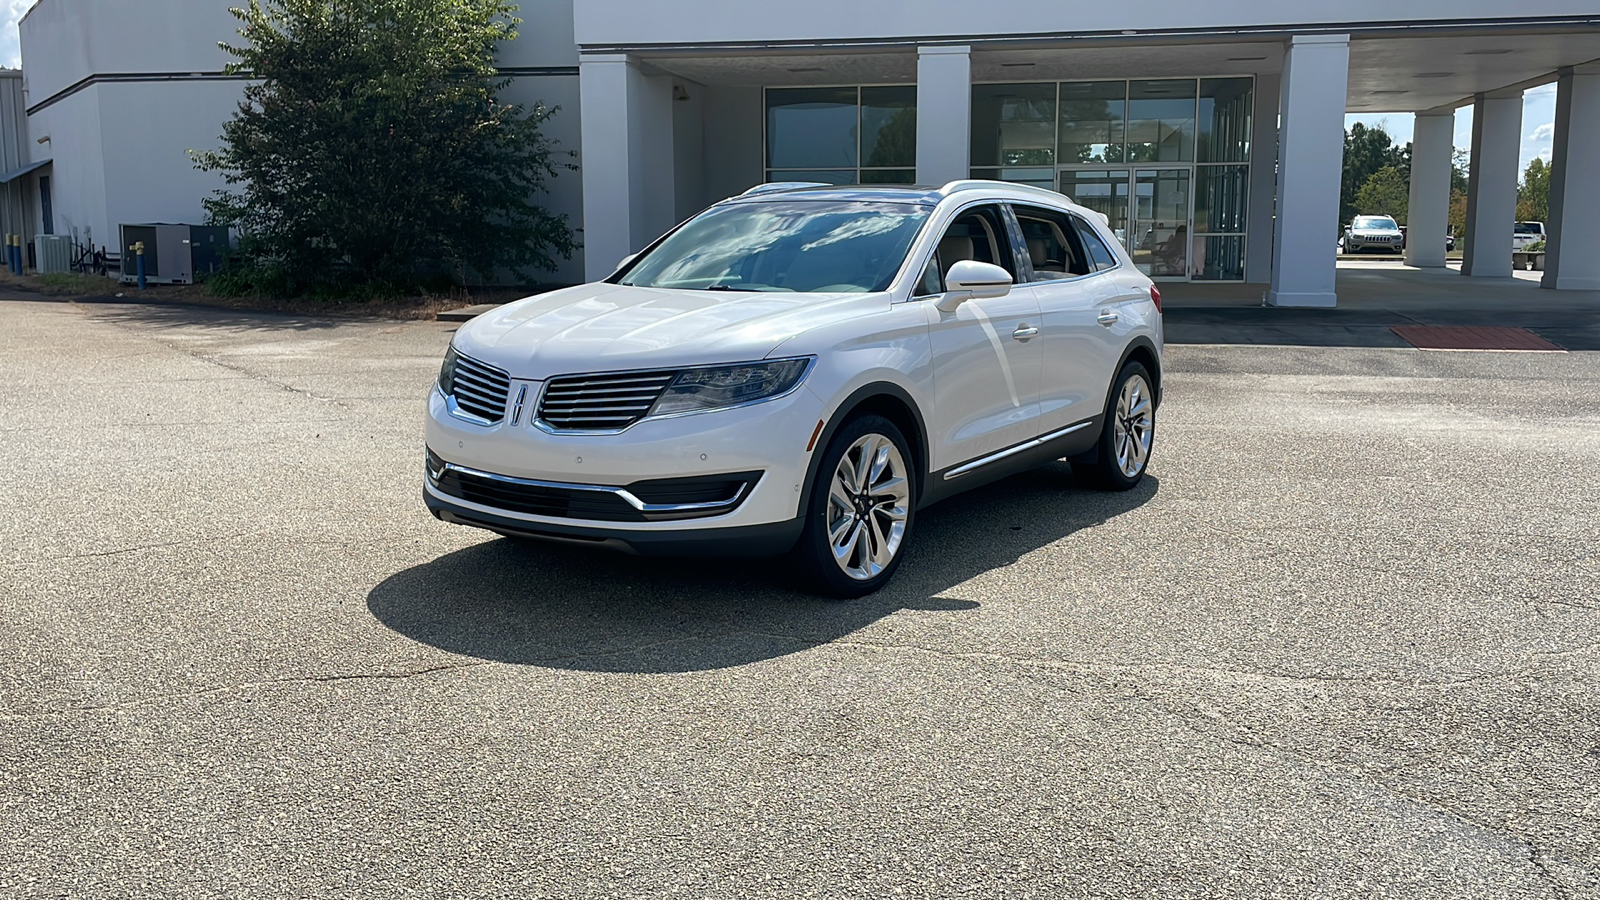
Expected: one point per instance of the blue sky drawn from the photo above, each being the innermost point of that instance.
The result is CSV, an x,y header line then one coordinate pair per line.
x,y
10,13
1538,105
1538,124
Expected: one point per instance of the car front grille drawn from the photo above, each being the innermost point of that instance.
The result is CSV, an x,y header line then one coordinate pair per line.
x,y
601,402
480,390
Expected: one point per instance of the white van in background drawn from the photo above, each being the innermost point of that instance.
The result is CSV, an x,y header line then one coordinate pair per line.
x,y
1525,233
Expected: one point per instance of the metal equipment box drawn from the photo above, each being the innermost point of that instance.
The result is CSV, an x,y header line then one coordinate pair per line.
x,y
173,254
53,253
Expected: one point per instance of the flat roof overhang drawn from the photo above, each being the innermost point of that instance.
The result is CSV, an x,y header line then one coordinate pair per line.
x,y
1391,69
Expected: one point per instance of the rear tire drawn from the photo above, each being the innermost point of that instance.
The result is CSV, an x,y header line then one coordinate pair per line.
x,y
861,510
1127,438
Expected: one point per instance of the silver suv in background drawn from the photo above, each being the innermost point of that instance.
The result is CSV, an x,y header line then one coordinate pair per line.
x,y
1372,233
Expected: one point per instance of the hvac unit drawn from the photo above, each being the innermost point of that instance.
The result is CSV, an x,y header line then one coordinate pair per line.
x,y
173,254
53,253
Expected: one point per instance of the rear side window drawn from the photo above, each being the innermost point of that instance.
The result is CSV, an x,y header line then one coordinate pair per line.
x,y
1053,244
1099,253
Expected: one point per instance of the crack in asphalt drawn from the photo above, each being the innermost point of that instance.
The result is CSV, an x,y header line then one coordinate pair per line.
x,y
247,685
123,551
1112,668
223,364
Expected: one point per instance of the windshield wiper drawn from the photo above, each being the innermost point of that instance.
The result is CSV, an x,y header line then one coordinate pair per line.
x,y
729,287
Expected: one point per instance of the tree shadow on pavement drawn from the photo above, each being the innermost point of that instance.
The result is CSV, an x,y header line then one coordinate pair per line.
x,y
162,314
576,608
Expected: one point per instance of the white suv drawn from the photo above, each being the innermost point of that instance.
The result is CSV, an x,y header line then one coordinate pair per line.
x,y
801,369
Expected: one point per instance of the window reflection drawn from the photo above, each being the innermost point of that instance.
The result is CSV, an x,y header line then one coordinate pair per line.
x,y
811,128
1105,192
1093,121
847,135
1221,196
1013,125
1227,106
1161,120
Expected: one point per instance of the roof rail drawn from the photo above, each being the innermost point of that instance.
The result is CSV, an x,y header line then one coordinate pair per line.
x,y
775,186
969,183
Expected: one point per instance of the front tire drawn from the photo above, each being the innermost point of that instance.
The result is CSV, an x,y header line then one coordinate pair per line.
x,y
861,509
1128,436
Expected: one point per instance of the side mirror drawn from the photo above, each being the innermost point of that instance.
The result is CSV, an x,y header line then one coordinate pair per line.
x,y
625,260
973,280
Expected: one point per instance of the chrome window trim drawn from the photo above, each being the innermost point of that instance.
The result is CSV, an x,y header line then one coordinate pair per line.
x,y
623,493
547,428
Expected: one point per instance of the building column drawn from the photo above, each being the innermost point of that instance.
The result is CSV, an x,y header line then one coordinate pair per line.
x,y
1492,185
1263,179
944,114
1428,212
626,160
1574,265
1316,75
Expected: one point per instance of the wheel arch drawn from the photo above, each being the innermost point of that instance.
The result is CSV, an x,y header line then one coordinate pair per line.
x,y
886,399
1141,350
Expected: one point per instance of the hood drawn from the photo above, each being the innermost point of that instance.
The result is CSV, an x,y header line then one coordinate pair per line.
x,y
1375,232
606,327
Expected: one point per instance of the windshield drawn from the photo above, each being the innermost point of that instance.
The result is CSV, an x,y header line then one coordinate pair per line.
x,y
785,245
1376,223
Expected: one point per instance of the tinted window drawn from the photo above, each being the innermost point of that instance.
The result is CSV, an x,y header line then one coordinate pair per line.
x,y
1099,253
784,245
1053,244
1376,223
977,234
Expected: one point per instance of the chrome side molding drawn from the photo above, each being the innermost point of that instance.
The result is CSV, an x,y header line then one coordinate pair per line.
x,y
977,464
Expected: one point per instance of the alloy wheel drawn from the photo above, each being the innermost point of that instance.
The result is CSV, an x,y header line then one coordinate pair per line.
x,y
868,506
1134,427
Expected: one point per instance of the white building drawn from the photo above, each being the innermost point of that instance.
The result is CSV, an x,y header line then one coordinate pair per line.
x,y
1210,133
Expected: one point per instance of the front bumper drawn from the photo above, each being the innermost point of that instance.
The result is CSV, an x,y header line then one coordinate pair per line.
x,y
1356,242
746,540
515,469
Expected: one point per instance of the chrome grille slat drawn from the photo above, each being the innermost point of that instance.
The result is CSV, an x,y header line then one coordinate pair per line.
x,y
609,401
480,390
603,392
601,402
482,385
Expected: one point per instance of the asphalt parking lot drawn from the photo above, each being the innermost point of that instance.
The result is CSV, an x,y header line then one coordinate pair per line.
x,y
1345,642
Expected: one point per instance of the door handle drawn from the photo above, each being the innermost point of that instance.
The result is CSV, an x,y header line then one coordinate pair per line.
x,y
1108,318
1025,332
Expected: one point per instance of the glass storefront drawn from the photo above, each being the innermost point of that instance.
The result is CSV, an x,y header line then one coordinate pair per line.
x,y
842,135
1166,160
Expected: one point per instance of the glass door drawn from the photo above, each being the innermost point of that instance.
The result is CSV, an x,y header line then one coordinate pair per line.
x,y
1102,190
1161,229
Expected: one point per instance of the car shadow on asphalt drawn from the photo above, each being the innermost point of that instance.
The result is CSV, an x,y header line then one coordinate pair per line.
x,y
577,608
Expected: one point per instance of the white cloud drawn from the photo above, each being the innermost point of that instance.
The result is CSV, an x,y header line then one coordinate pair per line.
x,y
11,12
1544,132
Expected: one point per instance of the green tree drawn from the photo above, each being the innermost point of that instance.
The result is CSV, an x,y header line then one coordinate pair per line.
x,y
1460,166
1366,150
1386,193
1533,195
372,150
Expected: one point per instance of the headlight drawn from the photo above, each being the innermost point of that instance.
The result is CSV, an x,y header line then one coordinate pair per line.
x,y
698,390
447,372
